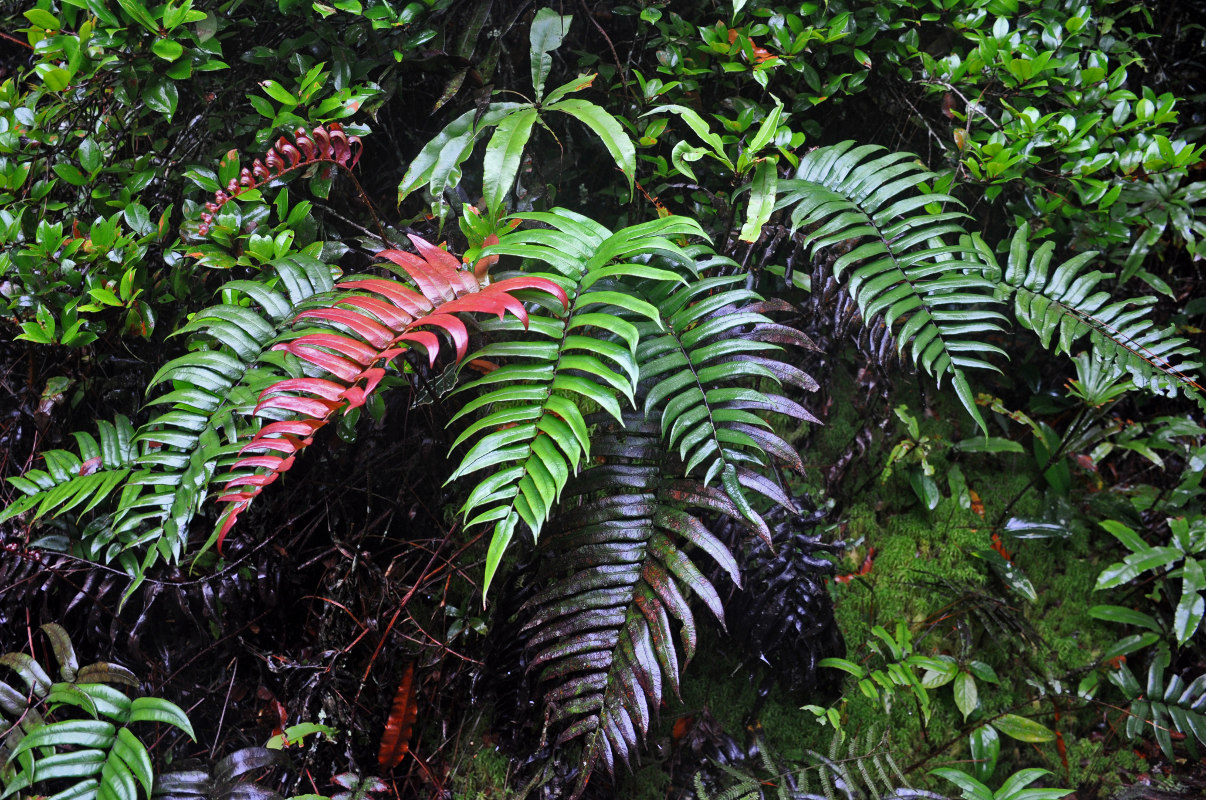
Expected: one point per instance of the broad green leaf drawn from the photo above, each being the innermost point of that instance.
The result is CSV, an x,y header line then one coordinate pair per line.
x,y
70,173
42,19
701,128
167,49
1022,729
278,93
161,95
972,788
138,12
966,694
762,200
449,148
548,30
503,156
609,131
985,750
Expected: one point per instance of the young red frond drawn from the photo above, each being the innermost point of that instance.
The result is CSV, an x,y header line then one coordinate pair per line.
x,y
395,740
445,264
389,314
431,283
329,390
425,339
310,406
371,331
402,296
532,282
456,329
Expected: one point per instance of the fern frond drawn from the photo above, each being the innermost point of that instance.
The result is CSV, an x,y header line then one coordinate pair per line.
x,y
238,776
357,336
1159,707
71,480
329,145
533,436
701,358
104,758
166,466
1063,304
619,578
900,261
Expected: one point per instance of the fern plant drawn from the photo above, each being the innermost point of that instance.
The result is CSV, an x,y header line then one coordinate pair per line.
x,y
92,751
1071,302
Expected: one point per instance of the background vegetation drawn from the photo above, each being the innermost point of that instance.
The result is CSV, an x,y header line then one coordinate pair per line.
x,y
811,398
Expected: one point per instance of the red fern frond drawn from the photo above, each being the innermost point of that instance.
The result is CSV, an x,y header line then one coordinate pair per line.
x,y
367,332
330,145
395,740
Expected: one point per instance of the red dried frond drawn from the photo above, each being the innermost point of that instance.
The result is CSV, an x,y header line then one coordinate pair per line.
x,y
395,741
367,331
330,145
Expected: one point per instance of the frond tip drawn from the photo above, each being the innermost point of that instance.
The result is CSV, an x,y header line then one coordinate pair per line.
x,y
329,145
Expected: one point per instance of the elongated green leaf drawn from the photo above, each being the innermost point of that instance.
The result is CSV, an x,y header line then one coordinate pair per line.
x,y
548,30
1022,729
609,131
762,200
503,156
154,709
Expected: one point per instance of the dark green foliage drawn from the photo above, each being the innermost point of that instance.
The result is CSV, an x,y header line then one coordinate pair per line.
x,y
621,405
93,749
784,604
239,776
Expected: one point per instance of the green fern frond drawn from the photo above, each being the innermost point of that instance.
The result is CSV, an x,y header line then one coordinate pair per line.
x,y
164,469
71,480
533,436
1063,304
701,360
1165,703
900,259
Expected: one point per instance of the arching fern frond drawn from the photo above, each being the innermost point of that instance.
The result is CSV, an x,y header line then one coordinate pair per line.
x,y
900,259
620,574
165,467
702,357
619,555
1068,300
532,436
